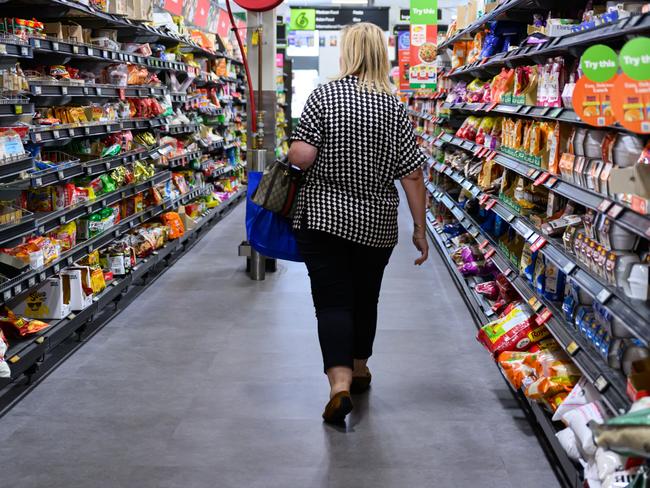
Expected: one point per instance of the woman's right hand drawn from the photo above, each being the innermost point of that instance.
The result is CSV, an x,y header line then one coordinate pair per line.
x,y
421,244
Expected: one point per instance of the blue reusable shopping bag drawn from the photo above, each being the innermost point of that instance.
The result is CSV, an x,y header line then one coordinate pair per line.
x,y
269,234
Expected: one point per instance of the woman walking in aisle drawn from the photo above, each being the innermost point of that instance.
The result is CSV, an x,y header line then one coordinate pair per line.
x,y
354,139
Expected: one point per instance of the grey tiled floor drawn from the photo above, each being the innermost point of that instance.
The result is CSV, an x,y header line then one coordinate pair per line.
x,y
211,380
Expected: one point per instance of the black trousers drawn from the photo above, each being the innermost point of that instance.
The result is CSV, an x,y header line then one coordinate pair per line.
x,y
345,283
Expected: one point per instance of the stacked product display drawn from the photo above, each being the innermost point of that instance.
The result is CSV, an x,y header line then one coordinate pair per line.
x,y
115,155
539,205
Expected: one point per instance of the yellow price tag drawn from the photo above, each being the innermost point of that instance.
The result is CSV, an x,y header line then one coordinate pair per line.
x,y
18,109
14,359
255,39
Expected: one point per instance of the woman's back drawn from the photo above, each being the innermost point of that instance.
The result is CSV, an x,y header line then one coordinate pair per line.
x,y
365,143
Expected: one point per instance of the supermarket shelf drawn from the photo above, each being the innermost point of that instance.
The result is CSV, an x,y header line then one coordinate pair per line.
x,y
623,216
44,223
535,413
214,146
183,160
89,16
98,53
570,43
15,108
27,356
61,133
45,88
633,314
610,383
12,47
98,166
559,114
175,129
219,172
11,168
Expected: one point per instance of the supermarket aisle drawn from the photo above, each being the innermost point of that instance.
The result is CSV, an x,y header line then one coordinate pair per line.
x,y
211,380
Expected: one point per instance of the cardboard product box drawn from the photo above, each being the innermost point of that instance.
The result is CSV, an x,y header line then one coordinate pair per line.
x,y
117,7
489,7
54,29
49,301
81,293
73,33
461,17
108,33
87,35
141,10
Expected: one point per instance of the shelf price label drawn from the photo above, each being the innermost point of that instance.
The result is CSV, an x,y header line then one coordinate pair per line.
x,y
484,198
491,107
615,211
490,204
535,304
543,317
541,179
490,253
538,244
484,244
491,156
573,348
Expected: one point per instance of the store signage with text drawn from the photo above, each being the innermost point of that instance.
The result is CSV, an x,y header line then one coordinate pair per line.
x,y
423,44
603,97
334,19
404,59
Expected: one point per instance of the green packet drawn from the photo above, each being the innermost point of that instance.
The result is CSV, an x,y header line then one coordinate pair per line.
x,y
627,434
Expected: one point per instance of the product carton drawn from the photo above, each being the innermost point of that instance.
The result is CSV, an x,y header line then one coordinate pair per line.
x,y
49,301
634,181
140,10
461,17
54,29
81,292
117,7
74,33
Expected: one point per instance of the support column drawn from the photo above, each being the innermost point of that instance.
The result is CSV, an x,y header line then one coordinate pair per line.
x,y
261,51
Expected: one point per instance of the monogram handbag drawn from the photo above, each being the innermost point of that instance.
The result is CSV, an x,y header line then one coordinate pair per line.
x,y
278,188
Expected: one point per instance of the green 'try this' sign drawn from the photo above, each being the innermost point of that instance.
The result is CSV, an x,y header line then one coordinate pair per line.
x,y
424,12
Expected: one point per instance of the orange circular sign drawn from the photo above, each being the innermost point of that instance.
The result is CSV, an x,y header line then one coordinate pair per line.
x,y
631,103
592,102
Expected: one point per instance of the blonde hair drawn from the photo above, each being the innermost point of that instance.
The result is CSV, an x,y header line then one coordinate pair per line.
x,y
364,54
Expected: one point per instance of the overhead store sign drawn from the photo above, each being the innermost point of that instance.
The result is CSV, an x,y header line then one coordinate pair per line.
x,y
424,41
334,19
303,19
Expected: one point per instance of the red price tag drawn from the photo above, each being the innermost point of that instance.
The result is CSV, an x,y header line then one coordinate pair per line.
x,y
604,205
484,151
122,94
491,107
492,155
484,60
551,182
542,179
483,198
507,272
491,204
543,317
484,244
490,253
538,244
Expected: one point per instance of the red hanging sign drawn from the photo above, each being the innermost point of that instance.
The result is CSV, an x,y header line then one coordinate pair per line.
x,y
258,5
174,7
223,24
201,13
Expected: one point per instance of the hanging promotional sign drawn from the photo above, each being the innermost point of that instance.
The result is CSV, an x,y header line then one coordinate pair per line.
x,y
592,96
631,93
174,7
201,13
302,19
423,44
223,24
404,59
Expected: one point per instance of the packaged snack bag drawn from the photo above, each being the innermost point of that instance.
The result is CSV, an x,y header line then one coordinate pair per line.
x,y
518,373
174,223
12,325
515,331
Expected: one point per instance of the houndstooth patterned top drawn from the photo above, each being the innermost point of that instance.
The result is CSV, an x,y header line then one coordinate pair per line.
x,y
365,142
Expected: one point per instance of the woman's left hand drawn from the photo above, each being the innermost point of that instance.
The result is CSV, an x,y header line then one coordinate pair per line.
x,y
421,244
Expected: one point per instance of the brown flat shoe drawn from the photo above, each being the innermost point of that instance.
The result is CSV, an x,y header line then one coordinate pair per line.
x,y
338,407
360,384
